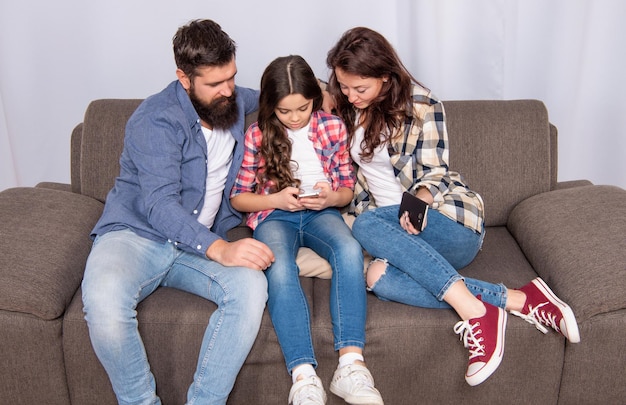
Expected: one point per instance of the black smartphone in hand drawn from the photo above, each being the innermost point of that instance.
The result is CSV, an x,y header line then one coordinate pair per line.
x,y
417,209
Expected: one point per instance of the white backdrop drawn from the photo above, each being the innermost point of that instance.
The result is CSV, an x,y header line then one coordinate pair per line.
x,y
57,56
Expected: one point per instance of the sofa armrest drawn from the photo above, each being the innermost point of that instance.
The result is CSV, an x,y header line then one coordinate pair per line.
x,y
574,239
561,185
54,186
44,240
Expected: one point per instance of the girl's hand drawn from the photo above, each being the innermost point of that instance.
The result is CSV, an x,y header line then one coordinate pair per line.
x,y
287,200
323,200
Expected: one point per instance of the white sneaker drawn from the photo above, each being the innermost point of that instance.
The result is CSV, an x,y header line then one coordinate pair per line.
x,y
308,391
355,384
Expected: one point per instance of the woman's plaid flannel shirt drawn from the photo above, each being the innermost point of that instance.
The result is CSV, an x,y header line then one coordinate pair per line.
x,y
419,155
330,140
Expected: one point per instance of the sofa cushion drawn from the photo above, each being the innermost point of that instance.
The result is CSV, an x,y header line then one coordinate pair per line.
x,y
41,266
101,144
502,149
97,145
417,347
31,360
172,323
574,240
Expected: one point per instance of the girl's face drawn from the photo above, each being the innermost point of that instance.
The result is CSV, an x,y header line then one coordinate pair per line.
x,y
294,111
360,91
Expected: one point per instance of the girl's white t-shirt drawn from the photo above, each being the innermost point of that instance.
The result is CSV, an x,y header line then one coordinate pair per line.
x,y
308,168
220,144
383,185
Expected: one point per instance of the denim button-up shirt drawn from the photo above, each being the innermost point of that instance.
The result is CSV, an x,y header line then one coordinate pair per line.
x,y
160,190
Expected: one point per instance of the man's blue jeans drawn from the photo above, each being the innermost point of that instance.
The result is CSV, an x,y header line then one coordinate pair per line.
x,y
421,268
326,233
123,269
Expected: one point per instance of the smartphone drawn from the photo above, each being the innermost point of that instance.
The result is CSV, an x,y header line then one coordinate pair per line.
x,y
417,209
309,194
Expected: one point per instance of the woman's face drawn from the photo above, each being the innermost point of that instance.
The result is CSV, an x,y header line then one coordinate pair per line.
x,y
294,111
360,91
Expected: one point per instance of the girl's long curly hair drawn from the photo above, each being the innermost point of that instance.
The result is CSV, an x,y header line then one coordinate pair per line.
x,y
363,52
283,76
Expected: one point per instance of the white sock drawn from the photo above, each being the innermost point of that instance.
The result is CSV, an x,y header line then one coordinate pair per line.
x,y
305,370
349,358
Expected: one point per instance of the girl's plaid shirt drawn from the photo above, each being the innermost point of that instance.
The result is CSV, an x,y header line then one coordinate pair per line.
x,y
330,140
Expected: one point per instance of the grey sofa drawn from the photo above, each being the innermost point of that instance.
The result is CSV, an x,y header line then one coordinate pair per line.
x,y
571,234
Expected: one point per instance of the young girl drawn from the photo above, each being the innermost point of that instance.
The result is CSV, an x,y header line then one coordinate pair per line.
x,y
295,172
398,139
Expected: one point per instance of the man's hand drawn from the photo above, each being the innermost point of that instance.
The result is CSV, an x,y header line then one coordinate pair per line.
x,y
246,252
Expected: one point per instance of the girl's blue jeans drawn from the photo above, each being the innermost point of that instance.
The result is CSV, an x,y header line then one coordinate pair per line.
x,y
326,233
123,269
421,268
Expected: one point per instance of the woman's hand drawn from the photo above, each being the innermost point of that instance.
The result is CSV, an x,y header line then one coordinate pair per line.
x,y
406,224
423,194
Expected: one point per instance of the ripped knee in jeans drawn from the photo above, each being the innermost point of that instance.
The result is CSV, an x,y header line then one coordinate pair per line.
x,y
375,271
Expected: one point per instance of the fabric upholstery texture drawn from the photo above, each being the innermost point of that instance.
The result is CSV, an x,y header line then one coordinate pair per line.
x,y
571,234
41,266
592,241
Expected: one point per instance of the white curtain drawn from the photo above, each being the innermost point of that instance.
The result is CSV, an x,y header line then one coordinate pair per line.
x,y
7,168
567,53
55,57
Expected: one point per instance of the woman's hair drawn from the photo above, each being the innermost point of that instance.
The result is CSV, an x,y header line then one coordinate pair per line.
x,y
202,43
283,76
363,52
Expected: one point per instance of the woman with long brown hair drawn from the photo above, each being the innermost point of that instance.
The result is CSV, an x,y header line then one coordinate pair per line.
x,y
399,142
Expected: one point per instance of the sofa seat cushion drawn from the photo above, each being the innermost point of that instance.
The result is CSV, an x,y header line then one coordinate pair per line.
x,y
405,345
574,239
417,346
44,239
171,323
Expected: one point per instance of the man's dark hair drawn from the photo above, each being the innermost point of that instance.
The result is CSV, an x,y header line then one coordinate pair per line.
x,y
202,43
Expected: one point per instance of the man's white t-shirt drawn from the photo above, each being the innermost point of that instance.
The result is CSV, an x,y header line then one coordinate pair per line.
x,y
220,144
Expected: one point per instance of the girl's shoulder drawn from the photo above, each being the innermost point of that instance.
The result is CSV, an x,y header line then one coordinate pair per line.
x,y
253,129
254,134
326,118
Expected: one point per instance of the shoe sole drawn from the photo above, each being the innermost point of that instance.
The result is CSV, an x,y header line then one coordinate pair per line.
x,y
569,329
490,367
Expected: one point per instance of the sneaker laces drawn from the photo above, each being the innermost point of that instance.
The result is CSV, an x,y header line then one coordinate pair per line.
x,y
539,318
470,337
360,378
307,393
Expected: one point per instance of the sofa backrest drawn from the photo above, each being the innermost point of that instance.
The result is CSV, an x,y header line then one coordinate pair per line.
x,y
101,142
503,149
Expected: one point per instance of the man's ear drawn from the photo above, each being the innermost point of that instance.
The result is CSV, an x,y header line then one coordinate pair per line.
x,y
184,80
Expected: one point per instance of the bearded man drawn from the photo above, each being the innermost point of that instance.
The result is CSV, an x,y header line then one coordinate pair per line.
x,y
165,222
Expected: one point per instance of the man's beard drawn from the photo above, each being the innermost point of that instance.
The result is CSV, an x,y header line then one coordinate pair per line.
x,y
221,113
